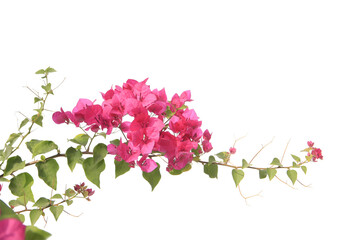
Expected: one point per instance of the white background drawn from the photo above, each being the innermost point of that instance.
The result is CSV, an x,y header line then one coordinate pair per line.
x,y
287,69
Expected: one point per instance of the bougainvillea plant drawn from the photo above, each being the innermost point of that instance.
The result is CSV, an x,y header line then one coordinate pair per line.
x,y
153,127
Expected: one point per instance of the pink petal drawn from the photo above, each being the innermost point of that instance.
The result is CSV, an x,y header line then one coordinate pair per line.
x,y
12,229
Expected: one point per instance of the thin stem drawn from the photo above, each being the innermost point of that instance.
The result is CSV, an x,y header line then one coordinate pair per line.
x,y
261,150
282,158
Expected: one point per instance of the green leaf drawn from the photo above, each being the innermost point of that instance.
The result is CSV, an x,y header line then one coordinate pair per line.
x,y
116,142
262,173
41,71
56,211
245,164
34,215
21,217
237,175
12,138
57,196
294,165
13,164
271,173
81,139
296,158
292,174
69,202
50,70
47,88
304,169
178,172
37,119
36,99
211,168
5,153
223,155
2,179
34,233
37,147
100,152
153,177
16,203
23,123
6,211
47,172
70,192
121,167
276,161
93,170
20,185
43,202
73,156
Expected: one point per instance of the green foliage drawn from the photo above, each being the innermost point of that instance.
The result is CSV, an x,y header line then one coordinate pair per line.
x,y
47,172
178,172
93,170
37,147
37,118
245,164
43,202
211,168
47,88
153,177
292,174
20,186
225,156
12,138
13,164
33,233
276,161
296,158
237,175
271,173
121,167
34,215
100,152
6,211
116,142
70,192
5,153
73,156
294,165
304,169
23,123
56,211
57,196
262,173
81,139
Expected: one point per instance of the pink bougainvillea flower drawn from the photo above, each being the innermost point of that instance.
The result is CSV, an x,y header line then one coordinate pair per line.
x,y
159,105
207,135
178,101
232,150
310,143
147,164
123,152
207,146
90,192
64,117
12,229
1,187
317,154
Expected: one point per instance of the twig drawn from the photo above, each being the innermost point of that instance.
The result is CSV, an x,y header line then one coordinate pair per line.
x,y
284,182
282,158
246,198
264,146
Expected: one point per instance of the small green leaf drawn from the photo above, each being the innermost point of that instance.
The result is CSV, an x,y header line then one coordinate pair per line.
x,y
116,142
93,170
23,123
276,161
13,164
37,119
81,139
271,173
47,88
69,202
211,168
238,175
42,202
292,174
153,177
294,165
73,156
15,203
56,211
37,147
20,185
223,155
41,71
2,179
121,167
262,173
47,172
36,99
33,233
12,138
21,217
70,192
102,134
100,152
50,70
304,169
296,158
34,215
245,164
57,196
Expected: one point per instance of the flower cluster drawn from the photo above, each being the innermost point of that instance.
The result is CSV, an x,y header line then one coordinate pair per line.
x,y
314,153
155,125
86,192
